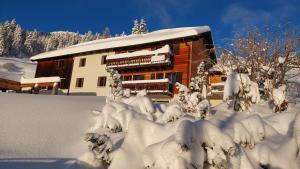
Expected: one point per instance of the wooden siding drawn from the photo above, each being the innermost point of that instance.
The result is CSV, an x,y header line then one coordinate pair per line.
x,y
47,68
9,85
202,51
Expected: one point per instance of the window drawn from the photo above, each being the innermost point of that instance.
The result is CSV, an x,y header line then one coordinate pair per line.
x,y
103,59
223,79
82,62
174,77
138,77
152,76
61,63
177,77
159,76
101,81
169,76
127,78
79,82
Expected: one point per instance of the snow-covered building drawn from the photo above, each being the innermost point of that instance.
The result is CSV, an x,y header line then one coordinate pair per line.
x,y
154,61
18,75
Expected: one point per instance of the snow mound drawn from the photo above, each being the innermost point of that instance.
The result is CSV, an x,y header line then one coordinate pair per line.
x,y
174,139
40,131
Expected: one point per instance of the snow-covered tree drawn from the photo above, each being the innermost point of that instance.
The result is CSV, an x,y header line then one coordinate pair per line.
x,y
135,28
240,90
123,34
17,41
266,54
143,26
200,81
192,100
116,91
3,47
106,33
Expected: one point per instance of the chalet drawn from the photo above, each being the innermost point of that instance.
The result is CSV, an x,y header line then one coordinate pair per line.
x,y
153,61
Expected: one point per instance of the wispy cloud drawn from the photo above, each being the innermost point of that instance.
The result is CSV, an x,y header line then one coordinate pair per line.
x,y
165,11
240,16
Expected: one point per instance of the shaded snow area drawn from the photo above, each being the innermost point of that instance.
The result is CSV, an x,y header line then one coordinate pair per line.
x,y
14,68
44,132
136,133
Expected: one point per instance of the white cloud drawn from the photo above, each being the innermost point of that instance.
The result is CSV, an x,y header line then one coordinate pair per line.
x,y
239,16
165,11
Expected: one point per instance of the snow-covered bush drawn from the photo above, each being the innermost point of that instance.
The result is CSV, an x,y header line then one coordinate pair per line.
x,y
241,90
279,99
100,145
192,103
192,100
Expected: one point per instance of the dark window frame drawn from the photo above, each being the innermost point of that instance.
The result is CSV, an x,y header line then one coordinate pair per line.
x,y
82,62
103,59
79,82
101,82
139,77
159,75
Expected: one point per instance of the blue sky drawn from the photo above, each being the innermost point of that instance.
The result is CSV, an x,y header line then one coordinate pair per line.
x,y
223,16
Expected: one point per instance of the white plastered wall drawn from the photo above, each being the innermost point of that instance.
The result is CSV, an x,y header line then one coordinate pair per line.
x,y
90,72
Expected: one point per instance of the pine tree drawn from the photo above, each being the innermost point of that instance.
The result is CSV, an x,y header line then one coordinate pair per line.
x,y
31,42
88,36
135,29
143,26
17,41
123,34
106,33
2,42
97,36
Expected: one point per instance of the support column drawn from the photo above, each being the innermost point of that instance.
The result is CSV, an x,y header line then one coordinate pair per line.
x,y
55,89
36,89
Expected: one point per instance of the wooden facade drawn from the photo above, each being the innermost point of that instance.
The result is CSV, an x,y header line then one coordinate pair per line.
x,y
187,55
61,67
9,85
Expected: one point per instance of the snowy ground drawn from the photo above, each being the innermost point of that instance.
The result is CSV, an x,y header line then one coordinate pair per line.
x,y
39,132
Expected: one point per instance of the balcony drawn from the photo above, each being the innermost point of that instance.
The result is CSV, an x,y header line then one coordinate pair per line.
x,y
138,59
154,87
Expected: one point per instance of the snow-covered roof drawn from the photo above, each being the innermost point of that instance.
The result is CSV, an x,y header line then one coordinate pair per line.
x,y
102,44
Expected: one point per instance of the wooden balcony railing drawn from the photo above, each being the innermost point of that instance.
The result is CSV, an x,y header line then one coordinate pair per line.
x,y
159,86
141,58
140,61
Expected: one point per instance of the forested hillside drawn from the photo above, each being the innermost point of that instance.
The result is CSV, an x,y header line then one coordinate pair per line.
x,y
18,42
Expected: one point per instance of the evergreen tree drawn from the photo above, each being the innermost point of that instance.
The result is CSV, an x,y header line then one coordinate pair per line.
x,y
135,29
97,36
143,26
123,34
106,33
2,42
17,41
88,36
30,42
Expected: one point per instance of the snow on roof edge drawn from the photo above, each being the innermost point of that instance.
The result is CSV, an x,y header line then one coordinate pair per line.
x,y
102,44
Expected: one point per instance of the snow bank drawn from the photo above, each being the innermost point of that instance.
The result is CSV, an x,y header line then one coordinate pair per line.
x,y
257,138
38,131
